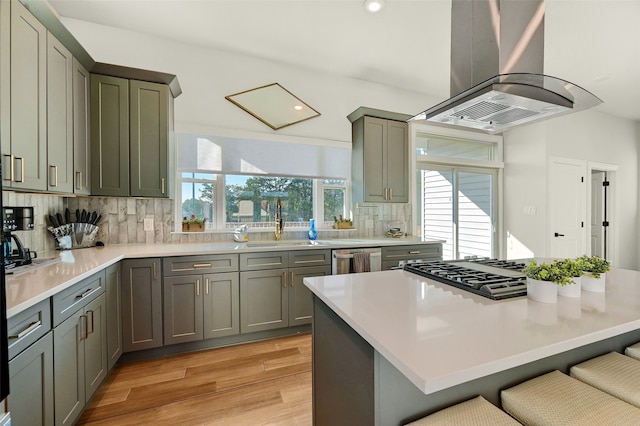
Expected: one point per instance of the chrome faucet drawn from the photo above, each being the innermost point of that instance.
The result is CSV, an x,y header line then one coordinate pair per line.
x,y
279,221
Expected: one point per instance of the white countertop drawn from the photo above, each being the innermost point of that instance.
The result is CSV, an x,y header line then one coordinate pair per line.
x,y
439,336
28,288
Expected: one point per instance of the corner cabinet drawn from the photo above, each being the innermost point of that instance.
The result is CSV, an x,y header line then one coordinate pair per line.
x,y
380,160
130,125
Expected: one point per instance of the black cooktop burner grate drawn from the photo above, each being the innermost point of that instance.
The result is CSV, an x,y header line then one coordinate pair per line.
x,y
491,278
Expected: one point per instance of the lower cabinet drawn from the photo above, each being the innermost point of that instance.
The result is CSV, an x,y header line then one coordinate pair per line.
x,y
200,307
114,314
141,304
300,297
31,383
80,359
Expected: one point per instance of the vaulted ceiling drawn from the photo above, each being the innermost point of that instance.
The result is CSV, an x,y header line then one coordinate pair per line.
x,y
592,43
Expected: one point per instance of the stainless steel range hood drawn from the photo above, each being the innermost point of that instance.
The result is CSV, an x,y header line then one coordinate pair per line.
x,y
497,61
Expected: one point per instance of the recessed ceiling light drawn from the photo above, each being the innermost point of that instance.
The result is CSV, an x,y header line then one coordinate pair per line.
x,y
373,5
297,107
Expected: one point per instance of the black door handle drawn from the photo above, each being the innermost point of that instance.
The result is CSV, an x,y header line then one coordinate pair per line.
x,y
558,235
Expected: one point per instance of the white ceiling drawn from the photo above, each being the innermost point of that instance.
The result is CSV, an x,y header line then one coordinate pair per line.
x,y
592,43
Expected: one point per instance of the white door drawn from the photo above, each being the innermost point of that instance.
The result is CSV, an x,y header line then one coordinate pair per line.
x,y
567,209
597,213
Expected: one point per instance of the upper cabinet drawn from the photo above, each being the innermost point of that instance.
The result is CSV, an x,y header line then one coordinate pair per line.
x,y
81,136
24,149
130,125
380,157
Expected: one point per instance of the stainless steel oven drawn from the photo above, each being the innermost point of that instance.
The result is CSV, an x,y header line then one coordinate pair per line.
x,y
342,260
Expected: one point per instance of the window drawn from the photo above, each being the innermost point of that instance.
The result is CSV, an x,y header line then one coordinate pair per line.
x,y
457,198
334,199
198,195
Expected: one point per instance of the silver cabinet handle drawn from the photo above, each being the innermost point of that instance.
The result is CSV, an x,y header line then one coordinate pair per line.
x,y
55,174
21,169
78,180
197,287
386,191
162,180
155,271
10,179
86,327
27,330
206,286
291,279
391,193
202,265
80,296
415,252
284,279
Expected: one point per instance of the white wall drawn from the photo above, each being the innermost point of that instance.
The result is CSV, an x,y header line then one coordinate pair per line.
x,y
207,76
587,135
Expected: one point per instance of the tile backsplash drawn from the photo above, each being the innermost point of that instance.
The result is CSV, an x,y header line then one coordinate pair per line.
x,y
123,220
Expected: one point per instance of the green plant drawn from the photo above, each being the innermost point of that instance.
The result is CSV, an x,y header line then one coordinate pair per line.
x,y
573,267
594,265
339,219
193,219
554,271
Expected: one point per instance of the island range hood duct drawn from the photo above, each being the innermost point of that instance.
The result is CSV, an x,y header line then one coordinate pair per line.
x,y
497,61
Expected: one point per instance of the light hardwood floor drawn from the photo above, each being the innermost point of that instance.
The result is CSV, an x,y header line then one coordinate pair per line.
x,y
262,383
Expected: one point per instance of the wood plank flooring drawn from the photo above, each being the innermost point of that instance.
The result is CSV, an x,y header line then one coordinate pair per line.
x,y
262,383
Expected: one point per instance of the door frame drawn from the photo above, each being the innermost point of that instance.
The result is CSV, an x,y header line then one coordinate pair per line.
x,y
612,208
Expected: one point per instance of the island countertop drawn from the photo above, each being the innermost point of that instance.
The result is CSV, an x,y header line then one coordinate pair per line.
x,y
439,336
68,267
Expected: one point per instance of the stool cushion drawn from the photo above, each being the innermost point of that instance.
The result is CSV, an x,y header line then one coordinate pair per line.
x,y
633,351
613,373
557,399
475,412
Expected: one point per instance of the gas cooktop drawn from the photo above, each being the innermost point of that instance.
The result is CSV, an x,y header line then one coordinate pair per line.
x,y
491,278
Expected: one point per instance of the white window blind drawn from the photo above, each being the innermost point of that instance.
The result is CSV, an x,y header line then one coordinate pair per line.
x,y
228,155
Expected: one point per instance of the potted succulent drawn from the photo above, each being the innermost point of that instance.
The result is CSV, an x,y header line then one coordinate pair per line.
x,y
594,269
543,279
340,223
574,270
193,224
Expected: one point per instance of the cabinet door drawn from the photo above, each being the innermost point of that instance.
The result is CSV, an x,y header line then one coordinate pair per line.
x,y
375,173
95,345
68,368
221,304
31,383
264,300
141,304
114,314
300,297
109,136
149,138
59,117
28,156
397,164
183,309
81,138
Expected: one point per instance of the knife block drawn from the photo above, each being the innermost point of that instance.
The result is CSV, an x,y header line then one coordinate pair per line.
x,y
74,235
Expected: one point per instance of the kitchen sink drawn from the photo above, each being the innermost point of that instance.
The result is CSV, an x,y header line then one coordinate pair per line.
x,y
284,243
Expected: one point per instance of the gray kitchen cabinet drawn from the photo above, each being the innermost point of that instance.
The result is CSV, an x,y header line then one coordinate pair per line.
x,y
264,300
392,256
109,136
149,127
31,366
24,151
141,304
130,124
31,401
80,359
59,117
113,291
81,131
300,297
201,297
380,160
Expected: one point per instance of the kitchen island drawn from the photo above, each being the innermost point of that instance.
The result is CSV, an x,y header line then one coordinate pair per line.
x,y
390,347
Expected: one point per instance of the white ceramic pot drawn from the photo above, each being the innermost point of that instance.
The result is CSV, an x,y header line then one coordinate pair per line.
x,y
542,291
595,285
571,290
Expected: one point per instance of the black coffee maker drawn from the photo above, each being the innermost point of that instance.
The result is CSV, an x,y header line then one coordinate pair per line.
x,y
16,219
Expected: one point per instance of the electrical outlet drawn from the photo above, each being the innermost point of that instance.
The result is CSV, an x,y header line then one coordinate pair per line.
x,y
148,224
368,223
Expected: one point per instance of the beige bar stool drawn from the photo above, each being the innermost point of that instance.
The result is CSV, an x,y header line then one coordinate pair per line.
x,y
633,351
474,412
613,373
557,399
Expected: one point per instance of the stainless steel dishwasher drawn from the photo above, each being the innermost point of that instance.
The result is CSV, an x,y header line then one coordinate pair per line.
x,y
342,260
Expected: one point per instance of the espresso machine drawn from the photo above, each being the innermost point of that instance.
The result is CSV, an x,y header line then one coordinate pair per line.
x,y
16,219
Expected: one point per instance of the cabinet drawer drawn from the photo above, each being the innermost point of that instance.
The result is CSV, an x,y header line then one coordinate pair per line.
x,y
266,260
28,326
422,251
204,264
75,297
309,258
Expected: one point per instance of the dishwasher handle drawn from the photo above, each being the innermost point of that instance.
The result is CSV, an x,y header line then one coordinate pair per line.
x,y
350,255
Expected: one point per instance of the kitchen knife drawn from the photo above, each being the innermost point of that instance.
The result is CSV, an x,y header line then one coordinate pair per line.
x,y
53,221
95,222
67,215
77,215
60,219
94,216
84,215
